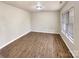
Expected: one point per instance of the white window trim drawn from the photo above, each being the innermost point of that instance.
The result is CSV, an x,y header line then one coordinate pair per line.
x,y
67,34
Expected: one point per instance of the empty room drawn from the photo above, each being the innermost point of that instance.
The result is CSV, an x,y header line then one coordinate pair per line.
x,y
39,29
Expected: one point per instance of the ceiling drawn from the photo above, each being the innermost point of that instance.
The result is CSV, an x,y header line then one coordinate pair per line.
x,y
30,5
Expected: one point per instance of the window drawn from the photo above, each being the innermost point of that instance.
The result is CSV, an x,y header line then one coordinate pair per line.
x,y
67,23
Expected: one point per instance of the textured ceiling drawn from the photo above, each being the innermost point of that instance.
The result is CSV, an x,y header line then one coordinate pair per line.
x,y
30,5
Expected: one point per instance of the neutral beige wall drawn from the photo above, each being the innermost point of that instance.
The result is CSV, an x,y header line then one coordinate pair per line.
x,y
13,23
73,47
47,22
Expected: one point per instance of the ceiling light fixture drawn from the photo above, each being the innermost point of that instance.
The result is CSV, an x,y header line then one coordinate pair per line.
x,y
39,6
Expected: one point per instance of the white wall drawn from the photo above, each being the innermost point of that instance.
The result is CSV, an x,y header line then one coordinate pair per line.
x,y
47,22
13,23
73,47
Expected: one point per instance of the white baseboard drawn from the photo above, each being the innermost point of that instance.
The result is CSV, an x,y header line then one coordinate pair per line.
x,y
15,39
68,46
46,32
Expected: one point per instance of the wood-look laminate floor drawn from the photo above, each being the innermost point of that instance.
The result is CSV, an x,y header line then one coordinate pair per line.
x,y
37,45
